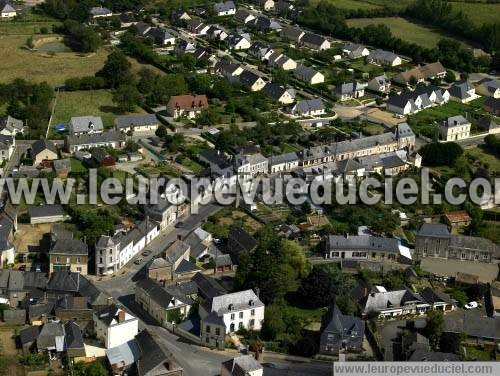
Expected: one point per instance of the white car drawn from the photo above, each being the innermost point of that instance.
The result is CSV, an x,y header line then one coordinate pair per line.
x,y
471,305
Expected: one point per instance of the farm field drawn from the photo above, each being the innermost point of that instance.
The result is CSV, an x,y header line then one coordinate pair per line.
x,y
403,29
365,4
80,103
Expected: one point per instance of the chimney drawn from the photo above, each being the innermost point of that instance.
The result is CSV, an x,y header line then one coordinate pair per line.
x,y
121,316
365,292
179,236
44,318
109,301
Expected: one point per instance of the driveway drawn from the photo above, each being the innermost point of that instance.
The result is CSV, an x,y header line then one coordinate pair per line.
x,y
390,338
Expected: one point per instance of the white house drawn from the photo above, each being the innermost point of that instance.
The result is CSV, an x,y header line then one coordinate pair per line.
x,y
355,51
488,87
455,128
7,146
251,164
266,5
114,326
308,75
283,162
315,42
308,107
7,10
462,91
385,58
281,61
251,81
238,42
350,90
138,123
225,8
10,126
80,125
100,12
279,93
241,309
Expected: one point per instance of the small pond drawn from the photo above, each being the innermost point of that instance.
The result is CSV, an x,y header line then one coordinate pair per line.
x,y
54,47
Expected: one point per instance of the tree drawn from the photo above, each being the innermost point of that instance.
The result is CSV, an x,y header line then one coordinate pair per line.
x,y
460,296
450,76
29,42
273,322
90,369
346,305
440,154
317,289
434,328
292,253
116,70
127,97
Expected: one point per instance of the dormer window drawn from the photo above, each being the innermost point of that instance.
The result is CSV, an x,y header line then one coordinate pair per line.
x,y
230,307
251,303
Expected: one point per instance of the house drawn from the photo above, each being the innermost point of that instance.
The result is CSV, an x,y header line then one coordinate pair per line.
x,y
123,357
438,300
355,51
7,146
189,106
314,41
486,124
266,24
478,329
492,105
292,33
114,326
43,150
184,46
100,12
197,27
283,162
230,71
226,8
340,332
109,139
201,243
62,167
308,107
244,16
179,15
250,164
454,128
75,348
380,84
154,358
101,158
10,126
489,87
260,51
165,304
462,91
421,73
161,36
415,348
349,90
281,61
242,365
238,42
367,247
113,252
81,125
68,254
142,28
127,20
137,124
435,240
266,5
239,241
251,81
51,338
417,100
384,58
223,263
382,303
162,212
7,10
279,94
217,33
308,75
241,309
77,309
46,214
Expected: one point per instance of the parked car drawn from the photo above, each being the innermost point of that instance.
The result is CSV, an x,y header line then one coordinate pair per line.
x,y
138,261
179,225
471,305
147,252
22,268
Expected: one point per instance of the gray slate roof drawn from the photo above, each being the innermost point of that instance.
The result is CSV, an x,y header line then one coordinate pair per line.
x,y
242,365
376,243
86,139
42,144
42,211
79,124
434,230
235,302
69,247
126,121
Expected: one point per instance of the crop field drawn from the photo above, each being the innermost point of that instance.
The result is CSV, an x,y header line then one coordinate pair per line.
x,y
403,29
365,4
479,13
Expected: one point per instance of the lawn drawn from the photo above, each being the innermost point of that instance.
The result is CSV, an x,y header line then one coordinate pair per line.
x,y
351,4
80,103
77,166
403,29
479,156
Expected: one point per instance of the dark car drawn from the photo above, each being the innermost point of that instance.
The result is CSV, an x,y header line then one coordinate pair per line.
x,y
138,261
146,253
179,225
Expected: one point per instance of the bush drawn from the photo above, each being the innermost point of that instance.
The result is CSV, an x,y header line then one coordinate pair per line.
x,y
441,154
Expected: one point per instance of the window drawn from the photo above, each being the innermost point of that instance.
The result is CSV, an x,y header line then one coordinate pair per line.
x,y
110,251
217,331
241,315
207,340
58,259
232,316
252,312
240,325
252,323
100,260
79,260
208,329
79,270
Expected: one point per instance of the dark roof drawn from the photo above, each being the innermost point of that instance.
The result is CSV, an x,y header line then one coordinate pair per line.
x,y
37,310
476,326
108,314
248,78
75,283
135,120
345,325
313,39
435,296
41,211
208,287
493,103
242,365
29,334
244,240
427,355
41,145
216,157
163,295
214,318
186,267
434,230
69,247
153,355
73,334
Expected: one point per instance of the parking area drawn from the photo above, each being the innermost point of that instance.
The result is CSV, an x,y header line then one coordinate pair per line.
x,y
486,272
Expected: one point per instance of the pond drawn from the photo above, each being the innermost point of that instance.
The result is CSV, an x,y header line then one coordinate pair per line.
x,y
54,47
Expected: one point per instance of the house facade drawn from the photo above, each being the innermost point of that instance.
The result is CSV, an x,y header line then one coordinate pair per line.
x,y
113,326
140,123
454,128
187,105
340,332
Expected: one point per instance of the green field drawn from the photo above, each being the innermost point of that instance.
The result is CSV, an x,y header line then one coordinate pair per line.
x,y
479,13
365,4
80,103
403,29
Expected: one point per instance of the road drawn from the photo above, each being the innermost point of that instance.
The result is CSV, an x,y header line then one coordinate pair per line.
x,y
195,360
